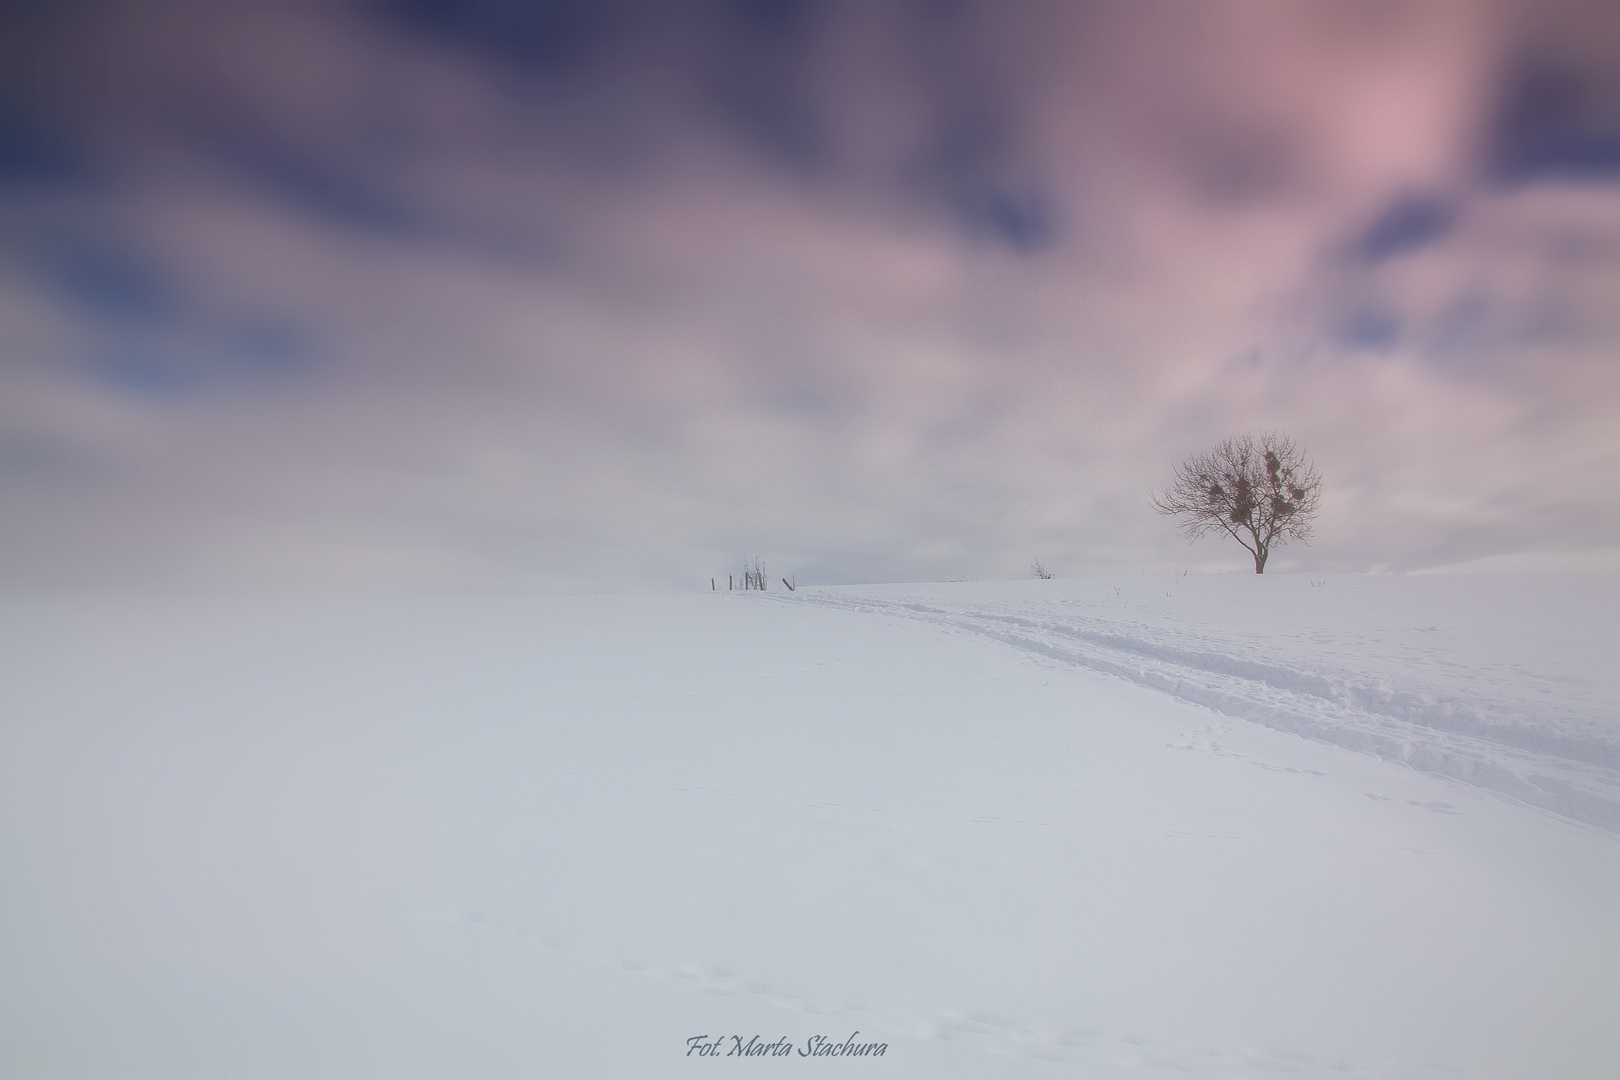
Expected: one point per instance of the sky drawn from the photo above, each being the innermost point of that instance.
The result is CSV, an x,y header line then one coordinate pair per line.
x,y
410,295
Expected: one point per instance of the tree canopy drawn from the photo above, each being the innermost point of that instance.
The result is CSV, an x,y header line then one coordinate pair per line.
x,y
1260,492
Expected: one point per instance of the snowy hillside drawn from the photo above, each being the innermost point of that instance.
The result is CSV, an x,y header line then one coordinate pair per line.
x,y
1509,684
1147,827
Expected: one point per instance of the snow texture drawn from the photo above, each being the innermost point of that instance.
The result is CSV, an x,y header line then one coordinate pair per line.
x,y
1149,827
1521,714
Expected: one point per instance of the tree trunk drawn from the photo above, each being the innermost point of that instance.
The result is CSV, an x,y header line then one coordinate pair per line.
x,y
1260,561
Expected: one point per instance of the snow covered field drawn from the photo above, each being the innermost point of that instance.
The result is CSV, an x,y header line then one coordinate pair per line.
x,y
1009,829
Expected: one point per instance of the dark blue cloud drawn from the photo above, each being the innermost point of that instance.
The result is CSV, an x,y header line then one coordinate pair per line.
x,y
1019,219
321,185
754,68
745,59
146,373
267,345
33,152
972,138
777,17
775,119
241,352
155,344
105,278
971,152
1369,330
1554,121
1409,223
554,37
539,36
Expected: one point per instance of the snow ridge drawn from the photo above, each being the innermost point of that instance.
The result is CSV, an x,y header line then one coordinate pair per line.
x,y
1545,754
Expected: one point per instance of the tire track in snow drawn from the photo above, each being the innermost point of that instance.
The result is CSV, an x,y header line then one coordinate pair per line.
x,y
1536,754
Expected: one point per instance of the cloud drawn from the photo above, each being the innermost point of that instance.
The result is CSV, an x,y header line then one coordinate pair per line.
x,y
103,277
1370,329
32,153
565,295
307,180
1411,222
1555,121
543,37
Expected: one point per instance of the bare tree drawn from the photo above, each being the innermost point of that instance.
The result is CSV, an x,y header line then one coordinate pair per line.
x,y
1038,570
1259,492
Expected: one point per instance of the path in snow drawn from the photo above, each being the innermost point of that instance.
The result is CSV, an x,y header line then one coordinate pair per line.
x,y
1524,718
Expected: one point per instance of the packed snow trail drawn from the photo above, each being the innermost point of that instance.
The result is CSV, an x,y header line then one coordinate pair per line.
x,y
1448,715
